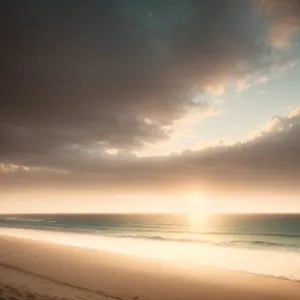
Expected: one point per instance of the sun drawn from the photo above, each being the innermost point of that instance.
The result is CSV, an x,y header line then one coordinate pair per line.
x,y
198,203
197,219
195,198
198,210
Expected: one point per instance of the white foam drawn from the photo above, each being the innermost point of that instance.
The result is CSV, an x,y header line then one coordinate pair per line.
x,y
267,262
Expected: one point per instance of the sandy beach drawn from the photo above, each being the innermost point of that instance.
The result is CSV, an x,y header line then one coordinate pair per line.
x,y
39,270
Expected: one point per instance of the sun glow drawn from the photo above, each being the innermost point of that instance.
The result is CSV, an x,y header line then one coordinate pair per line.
x,y
198,204
198,210
197,219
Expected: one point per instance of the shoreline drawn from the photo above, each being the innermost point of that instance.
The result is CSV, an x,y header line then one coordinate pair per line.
x,y
263,262
125,276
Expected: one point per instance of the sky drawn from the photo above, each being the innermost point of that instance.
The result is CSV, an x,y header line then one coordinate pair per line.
x,y
150,106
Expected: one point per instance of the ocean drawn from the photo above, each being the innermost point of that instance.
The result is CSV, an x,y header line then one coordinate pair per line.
x,y
267,244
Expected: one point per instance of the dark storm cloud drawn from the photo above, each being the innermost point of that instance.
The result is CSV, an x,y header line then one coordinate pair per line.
x,y
221,39
79,72
83,72
269,162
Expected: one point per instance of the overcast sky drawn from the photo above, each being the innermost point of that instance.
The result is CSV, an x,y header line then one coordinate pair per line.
x,y
147,105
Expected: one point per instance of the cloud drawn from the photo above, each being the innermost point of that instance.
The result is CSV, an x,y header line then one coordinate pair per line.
x,y
284,20
263,79
268,162
80,73
85,77
278,124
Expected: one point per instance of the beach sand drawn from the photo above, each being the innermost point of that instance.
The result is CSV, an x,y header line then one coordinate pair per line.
x,y
38,270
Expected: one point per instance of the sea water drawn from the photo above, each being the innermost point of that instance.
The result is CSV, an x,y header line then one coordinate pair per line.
x,y
267,244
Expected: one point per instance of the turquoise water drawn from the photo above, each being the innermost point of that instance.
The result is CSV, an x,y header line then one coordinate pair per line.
x,y
263,244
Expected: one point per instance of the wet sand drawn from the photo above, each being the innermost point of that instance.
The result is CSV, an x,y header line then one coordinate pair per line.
x,y
39,270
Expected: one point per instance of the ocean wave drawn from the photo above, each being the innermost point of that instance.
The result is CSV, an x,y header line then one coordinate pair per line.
x,y
147,228
21,219
263,240
130,232
201,241
238,233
